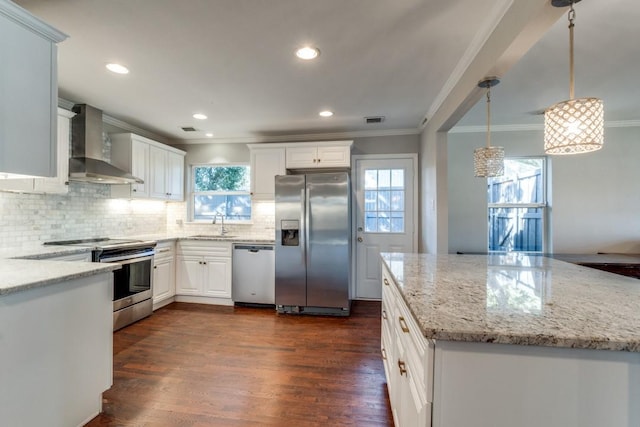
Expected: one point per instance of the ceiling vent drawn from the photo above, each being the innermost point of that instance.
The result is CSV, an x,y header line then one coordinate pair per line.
x,y
374,119
189,129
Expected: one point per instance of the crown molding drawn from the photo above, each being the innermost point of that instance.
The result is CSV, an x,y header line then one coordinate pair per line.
x,y
26,19
479,40
126,127
298,138
535,127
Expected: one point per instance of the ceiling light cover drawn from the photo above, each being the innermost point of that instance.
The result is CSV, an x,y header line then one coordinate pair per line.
x,y
574,126
117,68
307,53
577,125
488,161
200,116
208,135
326,113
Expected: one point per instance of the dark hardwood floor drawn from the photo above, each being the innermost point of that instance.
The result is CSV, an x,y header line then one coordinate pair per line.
x,y
198,365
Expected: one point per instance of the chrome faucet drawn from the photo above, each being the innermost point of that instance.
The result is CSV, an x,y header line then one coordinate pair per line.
x,y
223,231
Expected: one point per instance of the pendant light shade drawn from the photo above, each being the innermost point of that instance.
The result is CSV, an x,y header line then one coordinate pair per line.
x,y
576,125
488,161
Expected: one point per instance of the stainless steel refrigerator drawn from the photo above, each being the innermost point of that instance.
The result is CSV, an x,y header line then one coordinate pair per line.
x,y
313,235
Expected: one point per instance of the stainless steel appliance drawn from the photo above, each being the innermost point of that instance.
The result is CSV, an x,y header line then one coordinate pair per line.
x,y
253,274
313,254
133,282
86,162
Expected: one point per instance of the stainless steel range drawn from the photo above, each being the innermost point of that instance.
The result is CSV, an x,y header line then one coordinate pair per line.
x,y
133,283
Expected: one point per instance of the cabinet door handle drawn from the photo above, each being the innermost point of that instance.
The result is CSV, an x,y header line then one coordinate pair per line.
x,y
386,282
384,315
403,367
134,190
384,354
403,324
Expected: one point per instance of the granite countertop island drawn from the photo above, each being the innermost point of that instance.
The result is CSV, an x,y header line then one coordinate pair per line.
x,y
517,299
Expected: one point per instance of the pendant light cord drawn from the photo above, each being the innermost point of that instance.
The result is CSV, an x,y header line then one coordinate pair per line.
x,y
571,16
489,116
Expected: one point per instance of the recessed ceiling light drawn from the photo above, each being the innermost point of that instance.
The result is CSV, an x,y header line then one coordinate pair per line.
x,y
199,116
117,68
326,113
307,52
208,135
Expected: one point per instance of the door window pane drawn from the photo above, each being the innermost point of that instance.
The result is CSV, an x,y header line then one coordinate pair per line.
x,y
384,200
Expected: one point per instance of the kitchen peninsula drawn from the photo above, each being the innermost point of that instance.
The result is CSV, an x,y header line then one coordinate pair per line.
x,y
509,340
55,340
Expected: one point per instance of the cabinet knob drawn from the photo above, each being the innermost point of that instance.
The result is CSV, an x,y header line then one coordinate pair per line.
x,y
402,366
155,267
403,324
318,160
384,314
386,282
314,160
384,354
134,190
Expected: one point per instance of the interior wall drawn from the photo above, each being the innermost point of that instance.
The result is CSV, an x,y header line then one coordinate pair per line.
x,y
594,201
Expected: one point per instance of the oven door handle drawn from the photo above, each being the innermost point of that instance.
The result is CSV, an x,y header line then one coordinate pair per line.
x,y
129,258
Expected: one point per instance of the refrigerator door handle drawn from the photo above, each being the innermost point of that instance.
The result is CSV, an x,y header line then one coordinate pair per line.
x,y
304,231
307,224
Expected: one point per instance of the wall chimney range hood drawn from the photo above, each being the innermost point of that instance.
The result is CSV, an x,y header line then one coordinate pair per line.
x,y
86,162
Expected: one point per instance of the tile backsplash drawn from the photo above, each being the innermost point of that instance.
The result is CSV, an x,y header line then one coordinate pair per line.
x,y
88,211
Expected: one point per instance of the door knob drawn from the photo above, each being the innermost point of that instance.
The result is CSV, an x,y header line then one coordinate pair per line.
x,y
360,239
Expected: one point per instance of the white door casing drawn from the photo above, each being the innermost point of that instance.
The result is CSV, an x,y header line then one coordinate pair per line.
x,y
384,215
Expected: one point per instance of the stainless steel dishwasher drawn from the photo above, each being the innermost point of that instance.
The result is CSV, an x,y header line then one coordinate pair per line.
x,y
253,274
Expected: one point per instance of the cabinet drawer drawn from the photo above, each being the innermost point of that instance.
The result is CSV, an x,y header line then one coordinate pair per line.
x,y
165,250
204,248
417,350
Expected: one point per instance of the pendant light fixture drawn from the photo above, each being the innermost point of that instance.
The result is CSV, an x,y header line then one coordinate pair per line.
x,y
488,161
576,125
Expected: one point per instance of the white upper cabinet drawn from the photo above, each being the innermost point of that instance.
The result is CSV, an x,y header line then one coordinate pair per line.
x,y
167,173
314,155
266,163
29,93
56,184
160,166
59,183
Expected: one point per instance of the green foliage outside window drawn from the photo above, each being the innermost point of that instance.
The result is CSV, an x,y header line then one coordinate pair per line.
x,y
221,178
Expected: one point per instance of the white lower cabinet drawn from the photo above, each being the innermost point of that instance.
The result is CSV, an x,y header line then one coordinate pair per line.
x,y
164,274
203,272
408,361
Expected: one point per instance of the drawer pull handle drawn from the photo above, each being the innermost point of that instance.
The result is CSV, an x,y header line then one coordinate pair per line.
x,y
403,324
384,354
386,282
403,367
384,315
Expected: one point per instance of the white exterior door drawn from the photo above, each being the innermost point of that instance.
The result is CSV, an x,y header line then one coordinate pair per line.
x,y
385,215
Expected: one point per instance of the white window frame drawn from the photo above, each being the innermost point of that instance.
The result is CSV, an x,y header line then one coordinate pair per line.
x,y
193,193
544,206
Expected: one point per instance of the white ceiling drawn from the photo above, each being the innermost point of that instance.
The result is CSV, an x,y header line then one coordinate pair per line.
x,y
234,61
607,65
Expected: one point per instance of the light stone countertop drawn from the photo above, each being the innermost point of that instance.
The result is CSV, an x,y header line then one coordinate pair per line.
x,y
517,299
26,267
17,275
